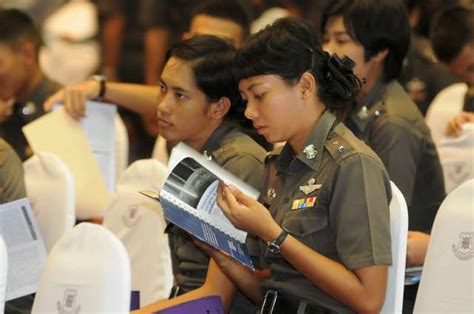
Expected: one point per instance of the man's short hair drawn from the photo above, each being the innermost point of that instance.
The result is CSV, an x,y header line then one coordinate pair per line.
x,y
224,9
16,27
376,25
452,29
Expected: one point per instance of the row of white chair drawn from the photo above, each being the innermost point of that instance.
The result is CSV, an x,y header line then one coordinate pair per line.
x,y
139,224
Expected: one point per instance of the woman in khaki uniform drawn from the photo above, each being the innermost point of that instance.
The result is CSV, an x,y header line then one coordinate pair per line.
x,y
321,226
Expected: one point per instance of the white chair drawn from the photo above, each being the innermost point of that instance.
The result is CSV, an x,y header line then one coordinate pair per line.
x,y
71,53
138,222
444,107
396,272
121,146
87,271
457,157
3,272
50,189
447,280
160,150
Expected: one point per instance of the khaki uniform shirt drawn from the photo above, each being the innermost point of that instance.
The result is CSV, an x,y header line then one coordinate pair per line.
x,y
12,185
333,197
238,154
390,123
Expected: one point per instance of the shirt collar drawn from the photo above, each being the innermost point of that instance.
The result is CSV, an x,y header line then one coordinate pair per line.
x,y
312,152
215,140
360,116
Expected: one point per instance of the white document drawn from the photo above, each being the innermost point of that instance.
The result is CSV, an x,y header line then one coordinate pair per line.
x,y
58,133
99,127
26,251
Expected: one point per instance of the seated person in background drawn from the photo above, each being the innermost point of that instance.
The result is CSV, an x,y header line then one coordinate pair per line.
x,y
376,35
423,76
21,79
222,18
197,96
12,184
452,35
294,94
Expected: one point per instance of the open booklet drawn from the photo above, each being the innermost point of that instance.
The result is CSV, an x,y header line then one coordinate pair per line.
x,y
188,198
26,251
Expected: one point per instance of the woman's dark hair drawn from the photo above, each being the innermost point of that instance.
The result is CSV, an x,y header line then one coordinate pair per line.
x,y
211,60
288,48
376,25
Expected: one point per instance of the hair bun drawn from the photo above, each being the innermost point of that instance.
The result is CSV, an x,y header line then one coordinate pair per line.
x,y
340,73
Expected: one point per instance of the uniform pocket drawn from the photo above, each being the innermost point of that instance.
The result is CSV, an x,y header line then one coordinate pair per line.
x,y
304,222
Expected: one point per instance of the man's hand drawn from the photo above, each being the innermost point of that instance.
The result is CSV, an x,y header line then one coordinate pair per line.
x,y
416,248
74,98
454,126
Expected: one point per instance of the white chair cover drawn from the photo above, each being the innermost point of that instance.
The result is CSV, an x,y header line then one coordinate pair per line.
x,y
138,222
87,271
71,54
50,189
160,151
447,280
396,272
444,107
121,146
3,272
457,157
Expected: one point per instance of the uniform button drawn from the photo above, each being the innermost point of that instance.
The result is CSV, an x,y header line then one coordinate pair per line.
x,y
341,149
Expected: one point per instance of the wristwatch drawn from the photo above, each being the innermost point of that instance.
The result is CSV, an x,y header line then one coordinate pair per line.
x,y
274,246
101,80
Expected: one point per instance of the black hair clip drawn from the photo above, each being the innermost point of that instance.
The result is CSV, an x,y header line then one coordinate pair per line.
x,y
345,63
340,70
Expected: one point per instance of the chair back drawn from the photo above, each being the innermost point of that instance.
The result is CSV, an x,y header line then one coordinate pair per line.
x,y
396,271
447,280
87,271
457,157
444,107
50,189
3,272
121,146
138,222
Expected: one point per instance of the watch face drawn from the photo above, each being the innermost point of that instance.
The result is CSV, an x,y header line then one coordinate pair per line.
x,y
273,248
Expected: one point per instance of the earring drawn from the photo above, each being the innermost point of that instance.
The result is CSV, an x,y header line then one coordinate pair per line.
x,y
364,80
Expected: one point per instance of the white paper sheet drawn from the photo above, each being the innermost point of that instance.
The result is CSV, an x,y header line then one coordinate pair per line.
x,y
99,127
58,133
26,251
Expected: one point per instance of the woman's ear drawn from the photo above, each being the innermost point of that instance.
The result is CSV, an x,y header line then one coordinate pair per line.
x,y
219,108
380,56
307,85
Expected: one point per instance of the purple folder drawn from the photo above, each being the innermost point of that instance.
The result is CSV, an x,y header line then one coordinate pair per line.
x,y
206,305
